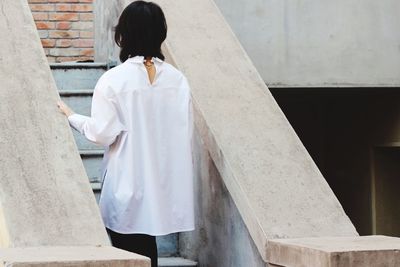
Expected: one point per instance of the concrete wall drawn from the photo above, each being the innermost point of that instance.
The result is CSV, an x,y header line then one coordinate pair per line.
x,y
302,43
265,171
319,43
272,180
106,18
221,238
45,196
65,28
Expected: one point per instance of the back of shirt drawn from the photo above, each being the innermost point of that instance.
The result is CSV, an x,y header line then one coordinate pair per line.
x,y
147,129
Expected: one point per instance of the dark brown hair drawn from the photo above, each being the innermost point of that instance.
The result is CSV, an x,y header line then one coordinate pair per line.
x,y
141,30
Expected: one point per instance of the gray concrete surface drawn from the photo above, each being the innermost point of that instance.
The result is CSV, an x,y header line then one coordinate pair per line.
x,y
272,180
319,43
106,18
254,179
365,251
78,76
221,238
303,43
102,256
175,262
45,196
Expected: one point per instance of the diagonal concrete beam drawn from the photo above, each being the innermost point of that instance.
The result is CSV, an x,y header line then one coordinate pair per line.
x,y
360,251
71,256
272,179
45,196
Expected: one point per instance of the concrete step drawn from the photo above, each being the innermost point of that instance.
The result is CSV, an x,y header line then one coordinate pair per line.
x,y
76,92
81,104
96,187
76,76
83,143
80,101
92,163
175,262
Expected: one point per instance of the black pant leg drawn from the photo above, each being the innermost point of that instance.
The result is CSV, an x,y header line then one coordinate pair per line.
x,y
142,244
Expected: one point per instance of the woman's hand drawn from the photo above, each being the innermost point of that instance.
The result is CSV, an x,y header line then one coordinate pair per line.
x,y
64,108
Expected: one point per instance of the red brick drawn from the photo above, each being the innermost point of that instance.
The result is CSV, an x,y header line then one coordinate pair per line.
x,y
86,34
48,42
63,59
44,25
83,43
86,16
41,7
38,1
64,16
64,25
82,8
51,59
87,52
40,16
63,7
64,34
64,43
64,1
74,7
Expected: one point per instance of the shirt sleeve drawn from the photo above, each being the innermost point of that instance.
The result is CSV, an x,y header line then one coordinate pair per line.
x,y
104,125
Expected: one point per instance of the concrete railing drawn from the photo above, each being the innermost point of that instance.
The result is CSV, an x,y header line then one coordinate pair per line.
x,y
248,154
273,181
45,195
48,213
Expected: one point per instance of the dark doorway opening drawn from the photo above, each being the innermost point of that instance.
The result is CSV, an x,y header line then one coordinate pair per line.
x,y
386,191
342,128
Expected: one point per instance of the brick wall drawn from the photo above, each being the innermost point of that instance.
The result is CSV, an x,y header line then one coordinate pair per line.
x,y
65,28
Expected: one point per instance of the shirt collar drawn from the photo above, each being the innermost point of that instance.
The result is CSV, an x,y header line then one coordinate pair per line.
x,y
140,59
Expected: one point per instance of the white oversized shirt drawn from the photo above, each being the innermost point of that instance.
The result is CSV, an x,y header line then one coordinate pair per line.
x,y
146,130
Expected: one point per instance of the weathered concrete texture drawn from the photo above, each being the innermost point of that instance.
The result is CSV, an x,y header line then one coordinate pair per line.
x,y
74,77
365,251
106,18
71,257
274,183
175,262
220,238
45,196
319,43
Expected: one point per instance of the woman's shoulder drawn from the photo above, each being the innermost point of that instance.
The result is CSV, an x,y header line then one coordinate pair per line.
x,y
175,74
118,72
110,80
116,77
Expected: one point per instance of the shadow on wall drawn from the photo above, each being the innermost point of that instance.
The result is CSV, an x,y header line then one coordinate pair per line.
x,y
221,238
353,134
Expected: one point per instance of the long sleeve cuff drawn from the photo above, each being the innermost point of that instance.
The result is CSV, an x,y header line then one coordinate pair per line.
x,y
77,121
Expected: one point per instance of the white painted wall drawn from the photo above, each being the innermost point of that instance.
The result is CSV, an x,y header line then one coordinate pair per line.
x,y
319,43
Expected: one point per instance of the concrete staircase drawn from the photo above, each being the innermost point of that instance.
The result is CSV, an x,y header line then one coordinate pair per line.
x,y
75,82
